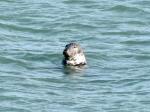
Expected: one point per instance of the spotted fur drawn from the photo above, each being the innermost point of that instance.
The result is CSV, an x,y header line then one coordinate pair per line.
x,y
73,55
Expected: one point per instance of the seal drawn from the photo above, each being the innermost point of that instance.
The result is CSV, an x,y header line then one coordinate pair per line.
x,y
74,55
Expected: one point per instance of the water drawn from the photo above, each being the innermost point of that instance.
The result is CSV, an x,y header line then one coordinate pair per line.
x,y
115,36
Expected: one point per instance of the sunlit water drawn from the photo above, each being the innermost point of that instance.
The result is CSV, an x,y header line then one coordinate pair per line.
x,y
115,35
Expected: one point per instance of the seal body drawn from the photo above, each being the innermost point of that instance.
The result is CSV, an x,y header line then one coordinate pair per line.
x,y
73,55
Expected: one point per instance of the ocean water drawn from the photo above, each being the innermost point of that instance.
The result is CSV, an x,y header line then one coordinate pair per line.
x,y
115,35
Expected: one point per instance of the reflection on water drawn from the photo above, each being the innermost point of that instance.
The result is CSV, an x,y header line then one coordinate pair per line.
x,y
74,70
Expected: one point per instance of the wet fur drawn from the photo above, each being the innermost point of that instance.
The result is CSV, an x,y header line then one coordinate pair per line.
x,y
73,55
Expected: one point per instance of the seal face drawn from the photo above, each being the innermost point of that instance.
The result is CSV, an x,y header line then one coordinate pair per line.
x,y
73,55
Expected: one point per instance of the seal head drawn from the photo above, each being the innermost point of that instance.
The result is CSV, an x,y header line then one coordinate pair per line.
x,y
73,55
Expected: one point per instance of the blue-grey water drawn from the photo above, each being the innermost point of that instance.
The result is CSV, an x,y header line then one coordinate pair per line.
x,y
115,35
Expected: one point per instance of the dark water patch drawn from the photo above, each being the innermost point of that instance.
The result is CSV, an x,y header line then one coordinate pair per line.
x,y
18,63
143,3
13,78
40,101
7,1
123,8
48,58
27,85
142,93
124,67
137,42
136,22
58,21
8,98
142,57
80,26
5,17
7,38
24,29
127,33
85,4
9,60
124,93
50,80
130,82
64,32
97,56
100,81
4,90
94,6
147,102
38,56
128,56
79,2
53,93
13,109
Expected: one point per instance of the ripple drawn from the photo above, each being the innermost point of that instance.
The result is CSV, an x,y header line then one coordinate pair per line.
x,y
7,1
122,8
134,22
143,2
49,80
11,60
81,26
21,28
80,2
137,42
13,109
37,56
126,33
8,98
142,57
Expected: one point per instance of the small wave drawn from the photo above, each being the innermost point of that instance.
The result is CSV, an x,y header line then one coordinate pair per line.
x,y
81,26
41,57
142,2
142,57
6,60
10,108
12,61
79,2
131,83
136,42
101,81
47,80
8,1
136,22
12,77
122,8
23,28
126,33
26,85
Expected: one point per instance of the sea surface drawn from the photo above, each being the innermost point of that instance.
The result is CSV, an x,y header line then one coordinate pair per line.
x,y
115,36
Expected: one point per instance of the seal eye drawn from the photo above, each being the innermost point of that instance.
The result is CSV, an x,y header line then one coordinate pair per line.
x,y
74,47
66,46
